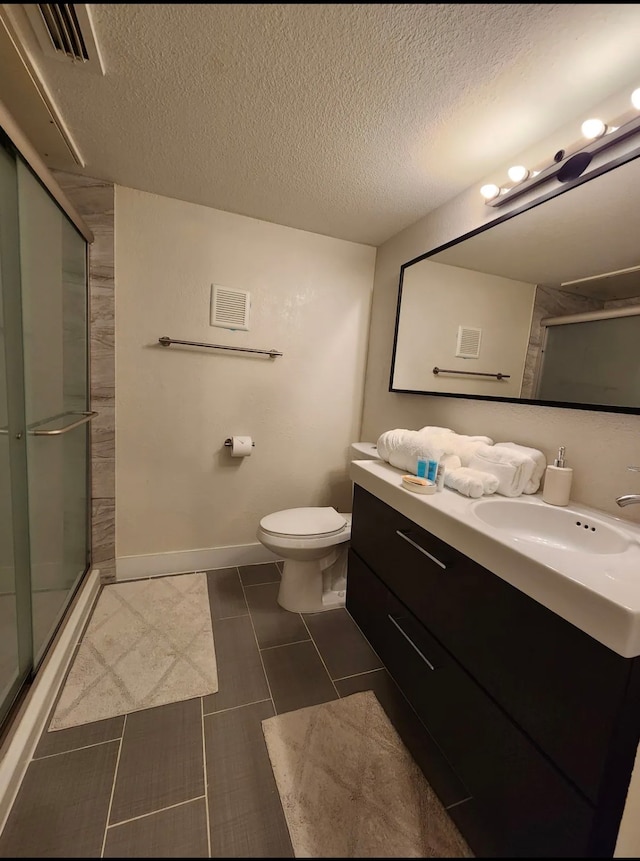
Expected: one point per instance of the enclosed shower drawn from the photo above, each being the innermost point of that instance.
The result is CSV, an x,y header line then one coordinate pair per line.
x,y
45,546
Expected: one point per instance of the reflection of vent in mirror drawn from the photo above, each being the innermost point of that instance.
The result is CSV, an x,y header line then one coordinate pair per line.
x,y
230,308
468,346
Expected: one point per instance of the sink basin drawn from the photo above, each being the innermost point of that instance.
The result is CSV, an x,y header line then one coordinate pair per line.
x,y
546,525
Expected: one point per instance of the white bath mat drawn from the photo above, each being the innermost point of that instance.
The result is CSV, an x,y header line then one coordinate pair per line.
x,y
350,788
148,643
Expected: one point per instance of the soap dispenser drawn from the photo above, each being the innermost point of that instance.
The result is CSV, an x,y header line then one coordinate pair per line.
x,y
557,481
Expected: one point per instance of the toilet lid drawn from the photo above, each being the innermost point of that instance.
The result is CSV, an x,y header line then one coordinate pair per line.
x,y
304,521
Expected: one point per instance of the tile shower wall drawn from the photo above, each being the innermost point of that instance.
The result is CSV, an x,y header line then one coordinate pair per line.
x,y
94,200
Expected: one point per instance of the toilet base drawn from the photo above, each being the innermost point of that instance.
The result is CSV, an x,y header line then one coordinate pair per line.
x,y
308,587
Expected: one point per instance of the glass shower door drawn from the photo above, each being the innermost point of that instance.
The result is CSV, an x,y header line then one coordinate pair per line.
x,y
15,597
54,311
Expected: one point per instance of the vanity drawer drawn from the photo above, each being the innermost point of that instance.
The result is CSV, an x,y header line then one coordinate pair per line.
x,y
419,568
549,676
521,805
367,602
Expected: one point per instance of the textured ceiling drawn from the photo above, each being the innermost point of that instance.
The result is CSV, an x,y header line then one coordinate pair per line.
x,y
343,119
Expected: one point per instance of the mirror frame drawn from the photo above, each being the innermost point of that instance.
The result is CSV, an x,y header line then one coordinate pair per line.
x,y
517,210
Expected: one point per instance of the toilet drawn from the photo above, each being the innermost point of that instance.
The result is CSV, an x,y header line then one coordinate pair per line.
x,y
313,542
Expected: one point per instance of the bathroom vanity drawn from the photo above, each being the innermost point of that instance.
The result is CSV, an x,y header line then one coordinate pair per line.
x,y
522,667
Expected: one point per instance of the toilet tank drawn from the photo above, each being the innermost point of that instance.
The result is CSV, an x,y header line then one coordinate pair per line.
x,y
364,451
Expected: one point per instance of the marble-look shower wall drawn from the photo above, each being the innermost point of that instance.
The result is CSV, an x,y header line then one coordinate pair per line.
x,y
94,200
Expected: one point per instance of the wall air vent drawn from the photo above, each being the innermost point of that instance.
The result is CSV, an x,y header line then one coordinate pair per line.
x,y
230,308
65,31
468,346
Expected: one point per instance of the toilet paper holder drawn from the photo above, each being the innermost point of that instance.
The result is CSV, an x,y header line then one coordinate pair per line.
x,y
229,442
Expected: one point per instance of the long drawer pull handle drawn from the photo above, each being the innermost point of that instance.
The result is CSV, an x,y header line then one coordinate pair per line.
x,y
410,641
421,549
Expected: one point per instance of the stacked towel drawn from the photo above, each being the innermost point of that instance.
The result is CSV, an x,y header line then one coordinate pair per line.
x,y
454,443
514,469
539,464
402,448
470,482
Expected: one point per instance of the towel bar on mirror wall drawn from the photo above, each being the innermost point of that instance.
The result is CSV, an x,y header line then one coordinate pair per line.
x,y
498,376
166,342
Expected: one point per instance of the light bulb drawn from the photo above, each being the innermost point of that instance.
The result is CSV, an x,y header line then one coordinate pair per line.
x,y
593,128
490,191
518,173
635,99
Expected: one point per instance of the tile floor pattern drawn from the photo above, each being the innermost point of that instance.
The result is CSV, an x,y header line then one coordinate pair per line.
x,y
193,778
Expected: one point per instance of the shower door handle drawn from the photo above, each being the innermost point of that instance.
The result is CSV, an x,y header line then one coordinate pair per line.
x,y
84,418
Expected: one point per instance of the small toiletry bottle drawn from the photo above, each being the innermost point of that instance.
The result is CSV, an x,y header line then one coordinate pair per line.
x,y
432,470
421,467
440,476
557,481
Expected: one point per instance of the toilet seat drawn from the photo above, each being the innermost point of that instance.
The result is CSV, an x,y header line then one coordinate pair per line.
x,y
304,523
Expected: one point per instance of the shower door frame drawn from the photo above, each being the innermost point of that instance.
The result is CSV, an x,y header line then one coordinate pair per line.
x,y
21,149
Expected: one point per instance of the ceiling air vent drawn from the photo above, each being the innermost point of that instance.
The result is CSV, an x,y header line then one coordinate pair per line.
x,y
230,308
65,31
468,346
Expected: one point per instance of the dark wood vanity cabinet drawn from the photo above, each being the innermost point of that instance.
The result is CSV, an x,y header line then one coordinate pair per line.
x,y
538,722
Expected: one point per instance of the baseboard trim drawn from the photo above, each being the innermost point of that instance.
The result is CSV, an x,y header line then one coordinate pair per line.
x,y
184,561
31,719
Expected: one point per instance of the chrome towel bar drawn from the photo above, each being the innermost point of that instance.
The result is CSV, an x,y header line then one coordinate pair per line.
x,y
166,342
84,418
472,373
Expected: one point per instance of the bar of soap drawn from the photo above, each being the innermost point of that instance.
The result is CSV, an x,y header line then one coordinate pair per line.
x,y
418,485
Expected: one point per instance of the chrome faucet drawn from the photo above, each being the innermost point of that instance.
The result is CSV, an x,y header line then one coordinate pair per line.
x,y
630,498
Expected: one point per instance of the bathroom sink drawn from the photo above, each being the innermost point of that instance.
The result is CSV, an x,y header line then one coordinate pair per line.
x,y
554,527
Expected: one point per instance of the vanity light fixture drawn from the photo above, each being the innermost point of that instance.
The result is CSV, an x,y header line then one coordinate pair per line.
x,y
592,129
490,191
518,173
570,163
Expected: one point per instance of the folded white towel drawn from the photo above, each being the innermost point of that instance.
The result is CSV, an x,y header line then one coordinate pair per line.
x,y
470,482
450,462
454,443
539,461
402,448
431,430
513,469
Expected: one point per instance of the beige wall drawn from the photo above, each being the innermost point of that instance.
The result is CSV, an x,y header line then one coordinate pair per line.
x,y
436,300
599,445
177,487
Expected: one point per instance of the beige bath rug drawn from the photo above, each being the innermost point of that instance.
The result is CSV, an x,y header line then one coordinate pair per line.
x,y
148,643
350,788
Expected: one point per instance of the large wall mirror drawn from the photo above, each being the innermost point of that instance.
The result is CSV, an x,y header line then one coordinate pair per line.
x,y
541,306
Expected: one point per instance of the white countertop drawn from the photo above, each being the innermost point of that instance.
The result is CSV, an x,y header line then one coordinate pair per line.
x,y
598,593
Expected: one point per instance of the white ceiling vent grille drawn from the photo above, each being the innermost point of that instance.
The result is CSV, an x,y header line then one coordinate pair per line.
x,y
230,308
468,346
65,31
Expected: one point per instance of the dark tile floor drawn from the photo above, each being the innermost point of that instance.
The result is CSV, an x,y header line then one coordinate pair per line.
x,y
193,778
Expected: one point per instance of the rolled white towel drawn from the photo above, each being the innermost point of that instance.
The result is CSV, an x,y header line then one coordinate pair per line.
x,y
512,468
402,448
450,461
431,430
539,461
389,441
470,482
466,447
454,443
